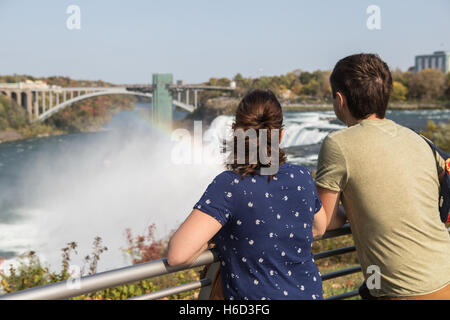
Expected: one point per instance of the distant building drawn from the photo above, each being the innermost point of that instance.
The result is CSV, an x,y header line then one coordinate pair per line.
x,y
438,60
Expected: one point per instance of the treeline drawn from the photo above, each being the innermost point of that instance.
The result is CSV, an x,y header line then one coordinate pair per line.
x,y
428,85
295,86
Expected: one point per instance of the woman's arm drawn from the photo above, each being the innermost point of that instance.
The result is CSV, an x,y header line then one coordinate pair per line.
x,y
191,238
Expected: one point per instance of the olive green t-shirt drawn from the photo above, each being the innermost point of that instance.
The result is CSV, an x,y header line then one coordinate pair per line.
x,y
388,179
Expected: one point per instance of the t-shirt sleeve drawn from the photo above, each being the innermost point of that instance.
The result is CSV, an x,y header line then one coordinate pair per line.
x,y
332,170
217,200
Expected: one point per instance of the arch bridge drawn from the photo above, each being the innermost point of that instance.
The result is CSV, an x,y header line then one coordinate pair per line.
x,y
42,101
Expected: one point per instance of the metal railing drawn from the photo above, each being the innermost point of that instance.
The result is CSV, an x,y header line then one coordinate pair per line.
x,y
144,271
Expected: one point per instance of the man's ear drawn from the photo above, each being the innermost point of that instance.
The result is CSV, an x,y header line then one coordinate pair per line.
x,y
281,134
342,101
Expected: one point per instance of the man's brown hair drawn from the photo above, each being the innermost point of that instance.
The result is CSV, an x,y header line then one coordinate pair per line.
x,y
366,83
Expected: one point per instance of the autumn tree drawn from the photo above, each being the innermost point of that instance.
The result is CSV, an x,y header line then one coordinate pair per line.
x,y
447,86
402,77
427,84
399,92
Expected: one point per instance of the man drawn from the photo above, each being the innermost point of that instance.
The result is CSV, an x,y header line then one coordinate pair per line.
x,y
386,177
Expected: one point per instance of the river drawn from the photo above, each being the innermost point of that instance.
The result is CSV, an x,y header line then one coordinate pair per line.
x,y
74,187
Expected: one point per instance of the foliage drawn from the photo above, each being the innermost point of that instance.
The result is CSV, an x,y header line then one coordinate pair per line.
x,y
89,114
94,257
145,248
299,85
429,85
439,134
399,92
85,115
29,273
141,248
11,116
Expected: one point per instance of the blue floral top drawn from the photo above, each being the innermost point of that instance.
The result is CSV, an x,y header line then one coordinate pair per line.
x,y
266,237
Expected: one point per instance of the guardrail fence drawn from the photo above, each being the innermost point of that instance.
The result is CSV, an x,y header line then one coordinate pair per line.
x,y
143,271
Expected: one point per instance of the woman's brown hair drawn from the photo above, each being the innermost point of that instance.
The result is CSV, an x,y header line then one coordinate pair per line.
x,y
259,109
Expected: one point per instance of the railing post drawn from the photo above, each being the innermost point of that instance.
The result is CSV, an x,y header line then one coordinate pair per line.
x,y
205,292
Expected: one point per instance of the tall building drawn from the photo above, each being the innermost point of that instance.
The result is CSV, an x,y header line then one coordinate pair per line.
x,y
438,60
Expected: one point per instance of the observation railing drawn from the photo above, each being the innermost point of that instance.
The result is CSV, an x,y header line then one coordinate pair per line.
x,y
155,268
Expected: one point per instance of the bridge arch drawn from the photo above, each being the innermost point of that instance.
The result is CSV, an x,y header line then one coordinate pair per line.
x,y
47,114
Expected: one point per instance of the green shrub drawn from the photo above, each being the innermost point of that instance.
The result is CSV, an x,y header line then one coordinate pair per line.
x,y
439,134
11,114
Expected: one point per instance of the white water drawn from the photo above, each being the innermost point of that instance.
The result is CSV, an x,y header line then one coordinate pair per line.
x,y
97,192
300,128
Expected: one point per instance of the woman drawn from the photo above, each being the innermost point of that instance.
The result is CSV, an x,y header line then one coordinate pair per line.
x,y
263,226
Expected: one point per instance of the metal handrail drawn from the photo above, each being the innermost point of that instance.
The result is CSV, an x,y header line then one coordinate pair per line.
x,y
108,279
174,290
134,273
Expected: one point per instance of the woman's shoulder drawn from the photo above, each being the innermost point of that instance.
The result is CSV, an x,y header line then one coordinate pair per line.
x,y
294,168
226,176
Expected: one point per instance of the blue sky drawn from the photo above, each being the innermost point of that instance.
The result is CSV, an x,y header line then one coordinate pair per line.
x,y
127,41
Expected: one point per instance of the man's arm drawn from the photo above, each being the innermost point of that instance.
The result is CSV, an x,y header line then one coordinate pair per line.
x,y
336,216
320,223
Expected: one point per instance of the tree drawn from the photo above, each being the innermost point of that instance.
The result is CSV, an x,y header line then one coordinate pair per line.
x,y
447,86
322,78
224,82
311,88
427,84
402,77
297,88
305,77
399,92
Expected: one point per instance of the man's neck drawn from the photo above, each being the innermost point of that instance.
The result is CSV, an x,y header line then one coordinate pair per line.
x,y
352,121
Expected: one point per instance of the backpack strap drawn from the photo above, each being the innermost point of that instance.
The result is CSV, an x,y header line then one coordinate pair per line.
x,y
443,154
444,184
435,149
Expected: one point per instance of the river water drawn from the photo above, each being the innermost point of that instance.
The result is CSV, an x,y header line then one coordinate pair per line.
x,y
74,187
